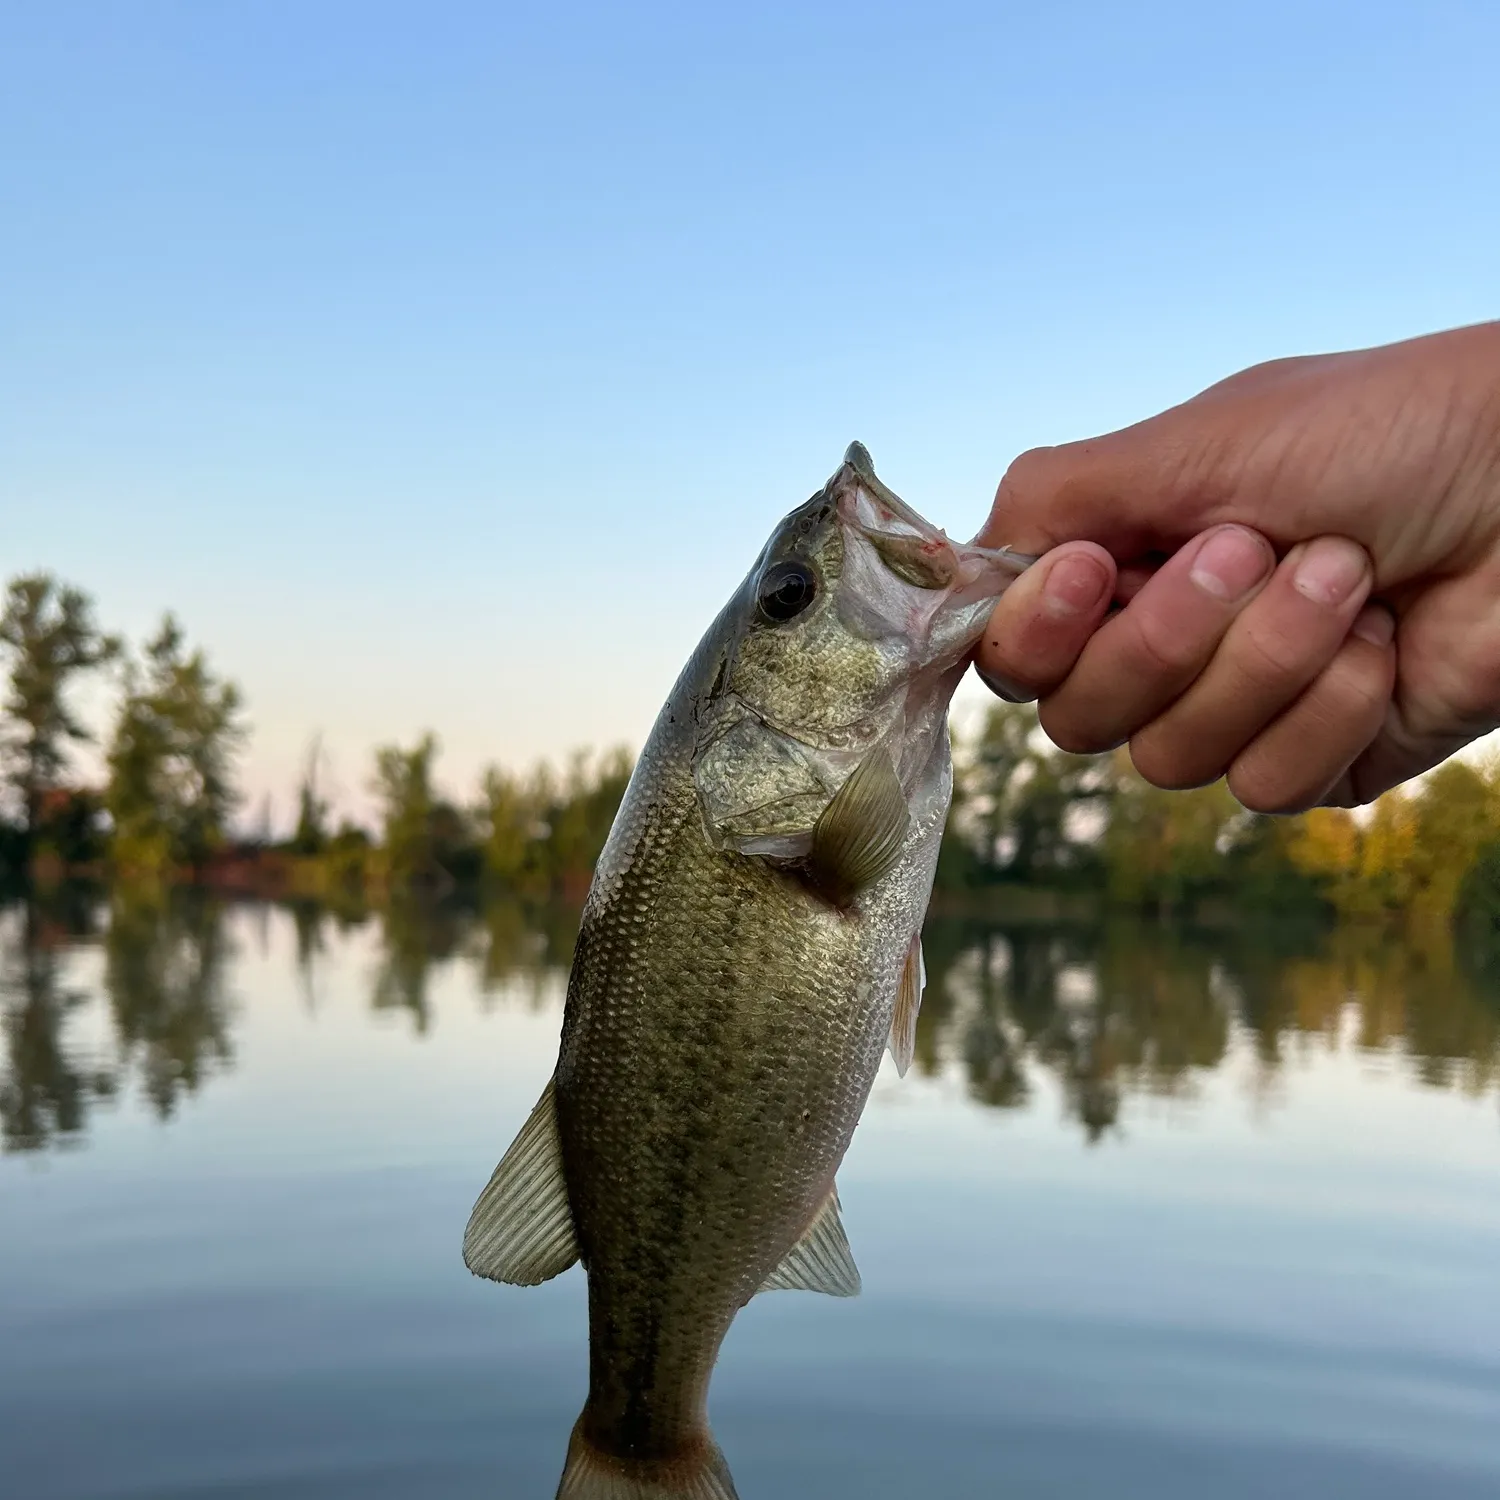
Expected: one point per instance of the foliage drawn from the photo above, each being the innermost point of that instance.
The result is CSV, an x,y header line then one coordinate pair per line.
x,y
50,639
428,842
171,760
1025,811
542,834
1027,814
311,836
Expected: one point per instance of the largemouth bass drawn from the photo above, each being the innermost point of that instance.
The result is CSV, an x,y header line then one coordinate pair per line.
x,y
748,948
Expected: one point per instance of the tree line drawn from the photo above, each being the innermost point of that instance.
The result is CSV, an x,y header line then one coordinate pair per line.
x,y
163,810
1028,818
1032,828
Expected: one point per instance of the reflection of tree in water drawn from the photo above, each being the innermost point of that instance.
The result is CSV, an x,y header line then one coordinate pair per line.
x,y
1121,1009
526,942
416,933
308,921
1452,1020
508,940
164,973
1107,1011
45,1087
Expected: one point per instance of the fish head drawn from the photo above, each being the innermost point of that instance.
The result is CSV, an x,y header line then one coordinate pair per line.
x,y
850,633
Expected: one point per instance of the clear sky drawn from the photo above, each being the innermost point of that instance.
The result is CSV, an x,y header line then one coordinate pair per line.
x,y
446,365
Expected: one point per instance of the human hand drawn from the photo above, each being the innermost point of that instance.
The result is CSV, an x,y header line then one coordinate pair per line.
x,y
1373,474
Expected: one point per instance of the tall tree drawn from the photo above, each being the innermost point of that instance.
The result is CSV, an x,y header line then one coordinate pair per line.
x,y
403,783
48,632
1019,797
171,786
513,813
311,836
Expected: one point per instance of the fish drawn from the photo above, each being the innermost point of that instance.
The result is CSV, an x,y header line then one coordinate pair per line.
x,y
748,949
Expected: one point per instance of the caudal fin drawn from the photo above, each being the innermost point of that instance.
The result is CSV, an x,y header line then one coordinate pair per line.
x,y
699,1473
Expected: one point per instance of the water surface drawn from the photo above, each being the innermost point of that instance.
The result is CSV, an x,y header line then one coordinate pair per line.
x,y
1149,1217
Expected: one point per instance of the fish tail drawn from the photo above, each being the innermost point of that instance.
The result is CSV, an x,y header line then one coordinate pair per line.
x,y
696,1473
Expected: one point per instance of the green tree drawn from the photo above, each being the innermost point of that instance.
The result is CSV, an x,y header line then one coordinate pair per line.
x,y
50,639
543,836
171,784
311,836
1019,800
1167,849
403,783
427,839
583,815
514,815
1457,817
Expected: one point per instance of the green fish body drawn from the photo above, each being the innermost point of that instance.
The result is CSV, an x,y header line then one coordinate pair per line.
x,y
748,948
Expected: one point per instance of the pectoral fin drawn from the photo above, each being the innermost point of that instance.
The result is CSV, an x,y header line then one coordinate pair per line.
x,y
859,835
821,1260
908,1003
521,1229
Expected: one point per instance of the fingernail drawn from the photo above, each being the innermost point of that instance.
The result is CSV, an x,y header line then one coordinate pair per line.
x,y
1003,689
1074,585
1331,569
1231,563
1376,624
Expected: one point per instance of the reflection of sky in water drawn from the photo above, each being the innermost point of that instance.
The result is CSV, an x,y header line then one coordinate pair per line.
x,y
1257,1282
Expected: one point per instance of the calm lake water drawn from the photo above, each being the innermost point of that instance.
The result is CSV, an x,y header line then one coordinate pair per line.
x,y
1148,1218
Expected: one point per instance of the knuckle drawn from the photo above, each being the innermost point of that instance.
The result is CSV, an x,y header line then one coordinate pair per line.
x,y
1271,658
1075,736
1470,683
1028,474
1259,788
1166,761
1163,651
1359,686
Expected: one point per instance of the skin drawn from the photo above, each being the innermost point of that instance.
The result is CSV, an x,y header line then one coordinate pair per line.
x,y
1292,580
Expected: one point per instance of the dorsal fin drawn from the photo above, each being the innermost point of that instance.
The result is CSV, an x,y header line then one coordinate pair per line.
x,y
521,1229
821,1260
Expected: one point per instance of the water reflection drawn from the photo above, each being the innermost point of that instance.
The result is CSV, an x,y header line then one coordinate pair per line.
x,y
1115,1009
137,991
47,1087
164,973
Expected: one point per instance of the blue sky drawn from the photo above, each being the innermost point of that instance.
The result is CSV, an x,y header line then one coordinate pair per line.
x,y
446,365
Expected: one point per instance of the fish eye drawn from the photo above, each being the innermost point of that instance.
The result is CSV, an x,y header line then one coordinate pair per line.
x,y
785,591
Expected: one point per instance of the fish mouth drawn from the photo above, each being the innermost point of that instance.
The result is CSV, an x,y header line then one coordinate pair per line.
x,y
904,577
911,547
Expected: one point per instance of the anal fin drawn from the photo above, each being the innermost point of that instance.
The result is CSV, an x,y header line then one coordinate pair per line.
x,y
521,1229
908,1003
821,1261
